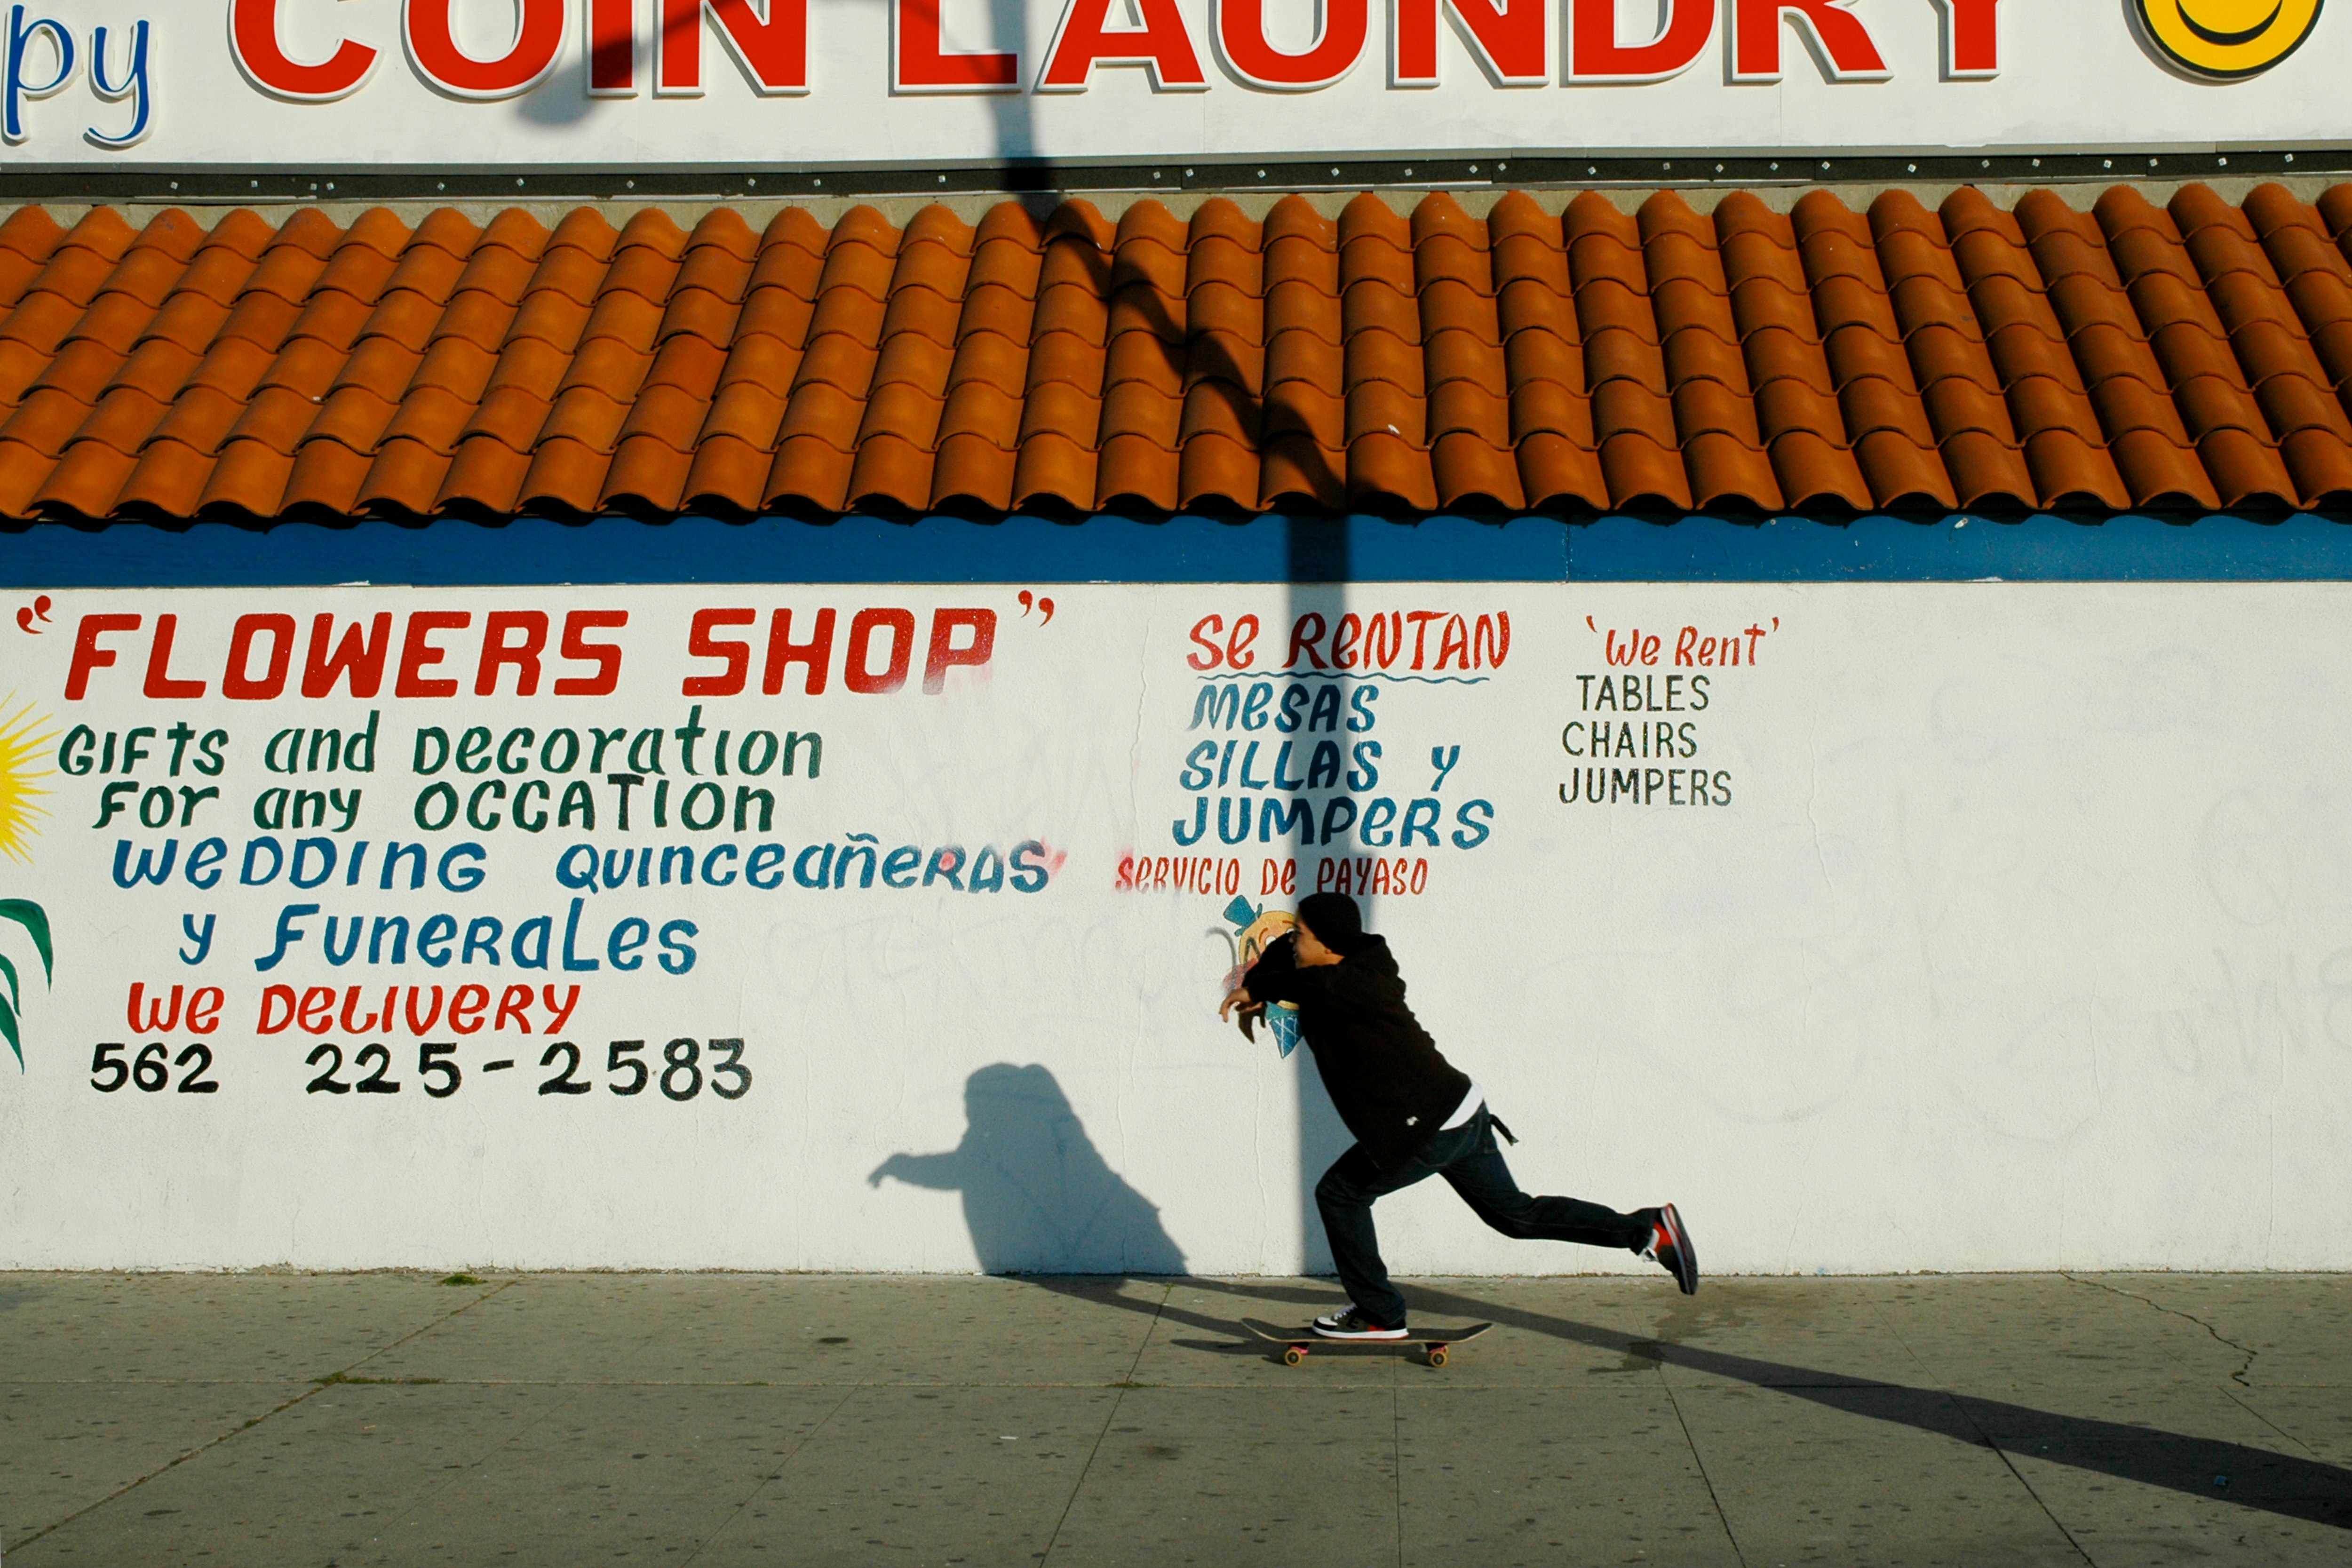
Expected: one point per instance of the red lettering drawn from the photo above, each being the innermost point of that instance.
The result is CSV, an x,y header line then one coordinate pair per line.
x,y
1492,641
497,651
700,644
1597,56
1454,643
944,654
275,996
816,653
578,649
417,1025
1971,40
236,680
363,660
773,50
1209,624
205,1009
560,1013
1846,51
1510,44
354,1025
253,41
466,1008
1237,647
1349,632
514,1003
856,671
1303,640
612,48
316,1011
1420,619
160,683
88,655
1241,33
1162,46
417,655
160,1019
433,46
920,63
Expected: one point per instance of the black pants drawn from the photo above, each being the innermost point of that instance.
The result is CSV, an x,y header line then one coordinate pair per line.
x,y
1467,1157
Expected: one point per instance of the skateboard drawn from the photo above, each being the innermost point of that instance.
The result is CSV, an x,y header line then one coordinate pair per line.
x,y
1432,1343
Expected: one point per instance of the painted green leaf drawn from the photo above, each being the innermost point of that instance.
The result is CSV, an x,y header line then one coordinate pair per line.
x,y
8,1028
8,971
36,921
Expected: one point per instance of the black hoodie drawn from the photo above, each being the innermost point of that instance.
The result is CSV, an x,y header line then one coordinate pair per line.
x,y
1384,1074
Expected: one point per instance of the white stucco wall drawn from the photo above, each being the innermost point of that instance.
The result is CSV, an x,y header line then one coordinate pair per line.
x,y
2024,941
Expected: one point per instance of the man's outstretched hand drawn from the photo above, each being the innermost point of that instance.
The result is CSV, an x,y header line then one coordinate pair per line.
x,y
1239,998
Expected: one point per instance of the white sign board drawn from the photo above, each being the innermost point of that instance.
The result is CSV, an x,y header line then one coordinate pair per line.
x,y
1878,927
620,83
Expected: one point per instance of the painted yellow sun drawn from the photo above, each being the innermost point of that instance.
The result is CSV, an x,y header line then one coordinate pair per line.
x,y
25,740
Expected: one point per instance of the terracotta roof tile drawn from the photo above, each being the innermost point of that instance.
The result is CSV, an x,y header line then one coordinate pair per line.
x,y
405,476
565,472
2198,353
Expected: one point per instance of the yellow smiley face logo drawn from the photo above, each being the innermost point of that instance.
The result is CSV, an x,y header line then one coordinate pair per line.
x,y
2226,39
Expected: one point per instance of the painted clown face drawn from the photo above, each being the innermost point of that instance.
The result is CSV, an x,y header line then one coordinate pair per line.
x,y
1264,932
1259,930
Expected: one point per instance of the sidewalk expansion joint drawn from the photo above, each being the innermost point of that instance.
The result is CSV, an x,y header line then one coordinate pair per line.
x,y
318,1385
1698,1462
2238,1377
782,1464
1118,1398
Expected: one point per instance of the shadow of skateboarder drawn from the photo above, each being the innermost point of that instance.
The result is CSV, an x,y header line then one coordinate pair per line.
x,y
1038,1197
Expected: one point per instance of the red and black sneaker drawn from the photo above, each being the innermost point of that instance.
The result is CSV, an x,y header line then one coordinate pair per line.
x,y
1352,1324
1670,1248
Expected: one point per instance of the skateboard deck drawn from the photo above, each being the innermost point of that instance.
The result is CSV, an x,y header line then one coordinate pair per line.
x,y
1434,1343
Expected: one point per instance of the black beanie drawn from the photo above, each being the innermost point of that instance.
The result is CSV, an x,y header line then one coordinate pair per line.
x,y
1336,922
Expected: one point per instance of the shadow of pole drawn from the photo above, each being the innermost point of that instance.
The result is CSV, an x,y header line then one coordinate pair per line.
x,y
1319,564
2256,1479
1012,116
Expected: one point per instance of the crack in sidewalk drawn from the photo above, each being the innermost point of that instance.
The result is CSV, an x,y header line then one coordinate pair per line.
x,y
2238,1377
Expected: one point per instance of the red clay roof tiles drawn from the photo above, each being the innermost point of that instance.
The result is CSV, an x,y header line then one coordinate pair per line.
x,y
2129,354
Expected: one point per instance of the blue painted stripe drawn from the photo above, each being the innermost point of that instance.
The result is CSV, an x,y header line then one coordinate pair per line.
x,y
1184,548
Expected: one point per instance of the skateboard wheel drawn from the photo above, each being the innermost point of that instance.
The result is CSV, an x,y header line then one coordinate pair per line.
x,y
1294,1355
1437,1355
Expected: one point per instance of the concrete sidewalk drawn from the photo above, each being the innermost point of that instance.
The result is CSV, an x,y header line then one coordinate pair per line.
x,y
312,1419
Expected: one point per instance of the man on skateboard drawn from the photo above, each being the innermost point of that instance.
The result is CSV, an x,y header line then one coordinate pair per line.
x,y
1415,1116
